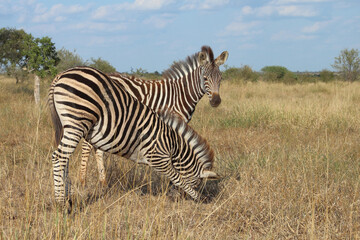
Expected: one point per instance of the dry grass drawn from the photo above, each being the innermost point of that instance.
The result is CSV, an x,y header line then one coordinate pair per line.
x,y
288,154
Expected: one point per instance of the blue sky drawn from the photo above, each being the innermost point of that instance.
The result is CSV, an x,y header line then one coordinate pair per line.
x,y
302,35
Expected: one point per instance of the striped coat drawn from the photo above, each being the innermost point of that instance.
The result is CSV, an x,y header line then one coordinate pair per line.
x,y
182,87
86,103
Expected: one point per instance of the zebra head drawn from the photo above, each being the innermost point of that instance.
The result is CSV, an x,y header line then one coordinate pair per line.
x,y
210,75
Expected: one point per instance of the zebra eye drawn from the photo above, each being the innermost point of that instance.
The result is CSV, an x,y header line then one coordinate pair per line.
x,y
205,78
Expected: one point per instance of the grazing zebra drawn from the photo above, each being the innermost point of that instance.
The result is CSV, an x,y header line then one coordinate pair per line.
x,y
85,103
184,84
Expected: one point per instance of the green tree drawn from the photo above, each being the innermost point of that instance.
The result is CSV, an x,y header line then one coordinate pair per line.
x,y
41,59
21,52
68,60
348,64
274,73
12,45
101,65
41,56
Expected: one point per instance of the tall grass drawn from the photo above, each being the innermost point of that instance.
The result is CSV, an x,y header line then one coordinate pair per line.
x,y
288,156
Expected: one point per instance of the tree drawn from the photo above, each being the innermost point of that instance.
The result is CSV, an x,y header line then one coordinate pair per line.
x,y
274,73
68,60
21,53
101,65
12,60
41,59
348,64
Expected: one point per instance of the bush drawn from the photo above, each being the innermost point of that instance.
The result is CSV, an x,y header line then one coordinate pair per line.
x,y
326,75
142,73
244,73
248,74
274,73
270,77
290,78
306,77
101,65
231,73
68,60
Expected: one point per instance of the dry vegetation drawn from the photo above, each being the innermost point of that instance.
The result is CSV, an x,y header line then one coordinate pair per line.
x,y
288,154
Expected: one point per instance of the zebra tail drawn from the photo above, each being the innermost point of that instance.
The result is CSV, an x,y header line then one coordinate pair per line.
x,y
55,118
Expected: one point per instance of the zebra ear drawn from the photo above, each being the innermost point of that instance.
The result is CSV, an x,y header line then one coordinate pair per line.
x,y
221,59
210,175
202,58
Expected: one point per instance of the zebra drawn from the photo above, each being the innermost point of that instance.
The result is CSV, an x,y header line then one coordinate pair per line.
x,y
86,103
182,87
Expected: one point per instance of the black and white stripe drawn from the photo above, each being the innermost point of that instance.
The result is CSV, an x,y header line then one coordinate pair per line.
x,y
86,103
184,84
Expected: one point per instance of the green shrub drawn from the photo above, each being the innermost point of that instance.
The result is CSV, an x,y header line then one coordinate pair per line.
x,y
270,77
231,73
68,60
290,78
274,73
326,75
306,78
244,73
142,73
248,74
101,65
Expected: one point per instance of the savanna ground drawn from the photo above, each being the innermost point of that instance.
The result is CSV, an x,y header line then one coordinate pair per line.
x,y
288,156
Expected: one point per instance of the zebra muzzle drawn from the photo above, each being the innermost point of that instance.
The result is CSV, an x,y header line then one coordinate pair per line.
x,y
215,100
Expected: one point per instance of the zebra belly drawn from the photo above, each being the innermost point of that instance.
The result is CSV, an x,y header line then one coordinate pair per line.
x,y
135,154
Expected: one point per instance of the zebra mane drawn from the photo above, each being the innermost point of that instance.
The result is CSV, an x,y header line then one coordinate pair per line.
x,y
173,120
182,68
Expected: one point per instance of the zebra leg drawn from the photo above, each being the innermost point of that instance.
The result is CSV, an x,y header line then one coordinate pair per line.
x,y
100,164
60,160
85,154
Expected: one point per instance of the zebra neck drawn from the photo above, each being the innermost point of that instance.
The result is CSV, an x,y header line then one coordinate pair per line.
x,y
188,90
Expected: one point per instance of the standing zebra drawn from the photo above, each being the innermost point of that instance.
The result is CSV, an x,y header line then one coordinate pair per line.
x,y
86,103
184,84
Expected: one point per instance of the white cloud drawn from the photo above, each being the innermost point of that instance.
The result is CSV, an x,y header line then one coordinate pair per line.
x,y
138,5
296,11
281,2
99,40
58,12
247,10
247,46
315,27
96,27
17,9
159,21
285,10
282,8
148,4
203,4
286,36
239,27
210,4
